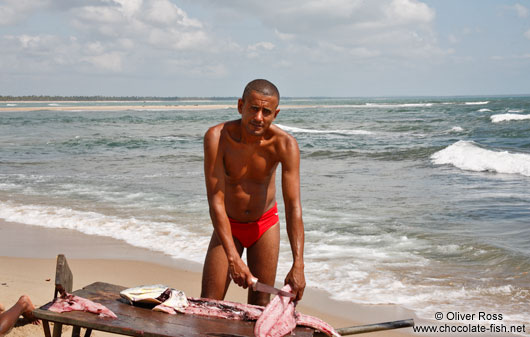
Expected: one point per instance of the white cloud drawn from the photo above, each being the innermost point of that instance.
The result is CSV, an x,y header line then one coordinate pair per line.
x,y
521,10
137,37
12,11
158,23
409,11
166,13
326,8
126,35
129,7
32,54
284,36
362,52
255,50
383,28
175,39
196,68
261,46
95,47
510,57
283,64
106,61
162,41
321,16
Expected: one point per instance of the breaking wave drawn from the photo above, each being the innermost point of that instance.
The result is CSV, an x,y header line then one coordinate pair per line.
x,y
456,129
171,239
341,132
477,103
399,105
508,117
469,156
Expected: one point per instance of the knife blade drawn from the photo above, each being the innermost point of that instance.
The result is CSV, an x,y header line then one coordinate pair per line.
x,y
258,286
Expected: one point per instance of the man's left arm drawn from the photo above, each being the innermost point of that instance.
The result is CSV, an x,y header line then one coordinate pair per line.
x,y
293,214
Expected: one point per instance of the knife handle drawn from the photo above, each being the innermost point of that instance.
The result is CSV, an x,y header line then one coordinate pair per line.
x,y
254,283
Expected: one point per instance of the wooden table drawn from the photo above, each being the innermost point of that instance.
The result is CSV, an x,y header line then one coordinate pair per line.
x,y
138,321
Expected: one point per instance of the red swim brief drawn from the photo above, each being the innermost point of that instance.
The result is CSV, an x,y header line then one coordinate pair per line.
x,y
249,232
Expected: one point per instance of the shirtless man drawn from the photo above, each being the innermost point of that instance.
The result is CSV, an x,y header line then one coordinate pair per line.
x,y
240,160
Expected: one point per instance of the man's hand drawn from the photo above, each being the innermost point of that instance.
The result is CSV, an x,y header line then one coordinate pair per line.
x,y
240,273
296,279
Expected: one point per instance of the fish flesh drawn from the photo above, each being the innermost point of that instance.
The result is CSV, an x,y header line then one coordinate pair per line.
x,y
248,312
172,301
278,319
223,309
68,302
316,323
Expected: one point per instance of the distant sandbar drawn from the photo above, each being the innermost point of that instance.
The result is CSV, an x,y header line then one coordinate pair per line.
x,y
135,107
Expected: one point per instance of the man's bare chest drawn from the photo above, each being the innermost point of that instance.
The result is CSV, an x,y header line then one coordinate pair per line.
x,y
249,164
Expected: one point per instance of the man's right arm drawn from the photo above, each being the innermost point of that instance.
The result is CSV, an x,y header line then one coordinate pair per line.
x,y
215,189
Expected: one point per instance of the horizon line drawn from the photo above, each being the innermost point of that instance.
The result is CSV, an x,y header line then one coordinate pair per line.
x,y
6,98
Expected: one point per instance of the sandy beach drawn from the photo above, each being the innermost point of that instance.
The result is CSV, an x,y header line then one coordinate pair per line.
x,y
27,266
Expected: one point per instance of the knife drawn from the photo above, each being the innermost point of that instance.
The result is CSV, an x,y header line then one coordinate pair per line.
x,y
258,286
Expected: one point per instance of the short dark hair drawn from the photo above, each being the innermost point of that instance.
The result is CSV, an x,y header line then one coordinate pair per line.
x,y
262,86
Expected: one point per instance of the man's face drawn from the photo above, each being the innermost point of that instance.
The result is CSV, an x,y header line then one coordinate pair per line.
x,y
257,111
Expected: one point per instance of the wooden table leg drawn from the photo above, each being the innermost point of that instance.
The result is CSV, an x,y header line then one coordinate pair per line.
x,y
76,331
88,332
57,329
46,328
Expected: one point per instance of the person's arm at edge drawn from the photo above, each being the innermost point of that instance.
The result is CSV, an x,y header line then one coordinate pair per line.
x,y
214,178
9,318
293,215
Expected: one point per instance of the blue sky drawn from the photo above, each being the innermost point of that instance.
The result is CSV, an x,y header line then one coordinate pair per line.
x,y
307,47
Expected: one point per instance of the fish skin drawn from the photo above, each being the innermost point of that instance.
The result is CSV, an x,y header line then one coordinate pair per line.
x,y
177,302
144,294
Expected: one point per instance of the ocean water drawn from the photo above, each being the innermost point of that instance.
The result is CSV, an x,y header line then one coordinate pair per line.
x,y
421,202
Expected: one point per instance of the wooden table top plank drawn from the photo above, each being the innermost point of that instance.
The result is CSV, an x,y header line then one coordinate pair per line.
x,y
138,321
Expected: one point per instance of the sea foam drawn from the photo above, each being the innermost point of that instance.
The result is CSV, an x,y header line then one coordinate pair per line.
x,y
398,105
469,156
342,132
508,117
477,103
170,238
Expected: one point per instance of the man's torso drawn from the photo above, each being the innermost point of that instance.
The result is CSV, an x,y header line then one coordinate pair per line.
x,y
250,171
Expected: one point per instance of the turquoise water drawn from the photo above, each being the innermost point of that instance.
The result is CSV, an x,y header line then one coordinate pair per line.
x,y
421,202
